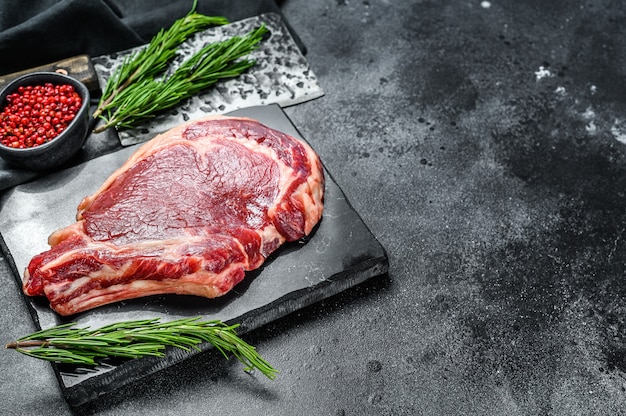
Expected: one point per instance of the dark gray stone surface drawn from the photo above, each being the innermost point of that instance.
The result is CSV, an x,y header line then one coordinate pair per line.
x,y
339,253
483,143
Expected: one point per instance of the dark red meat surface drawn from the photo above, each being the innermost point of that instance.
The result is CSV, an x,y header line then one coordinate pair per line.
x,y
189,213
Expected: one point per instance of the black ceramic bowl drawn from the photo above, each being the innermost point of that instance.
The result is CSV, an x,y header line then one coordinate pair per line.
x,y
61,148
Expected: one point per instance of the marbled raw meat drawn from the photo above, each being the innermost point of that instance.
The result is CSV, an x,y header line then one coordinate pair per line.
x,y
189,213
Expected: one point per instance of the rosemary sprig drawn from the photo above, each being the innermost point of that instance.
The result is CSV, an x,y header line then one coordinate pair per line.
x,y
134,339
140,99
154,58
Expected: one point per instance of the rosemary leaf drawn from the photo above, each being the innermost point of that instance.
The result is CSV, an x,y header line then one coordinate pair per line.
x,y
141,99
135,339
159,53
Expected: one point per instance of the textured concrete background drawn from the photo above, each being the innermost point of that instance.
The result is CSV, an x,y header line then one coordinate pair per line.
x,y
484,144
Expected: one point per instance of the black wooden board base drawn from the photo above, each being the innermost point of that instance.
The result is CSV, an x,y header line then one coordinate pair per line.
x,y
340,253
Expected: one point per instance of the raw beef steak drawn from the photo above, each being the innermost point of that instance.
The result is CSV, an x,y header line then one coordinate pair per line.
x,y
188,213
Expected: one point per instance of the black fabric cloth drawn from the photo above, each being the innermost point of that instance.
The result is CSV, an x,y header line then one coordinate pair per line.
x,y
38,32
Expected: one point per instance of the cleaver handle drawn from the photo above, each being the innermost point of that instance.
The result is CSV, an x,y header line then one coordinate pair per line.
x,y
79,67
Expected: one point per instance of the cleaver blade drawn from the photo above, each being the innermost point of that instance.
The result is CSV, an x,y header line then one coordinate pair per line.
x,y
281,76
